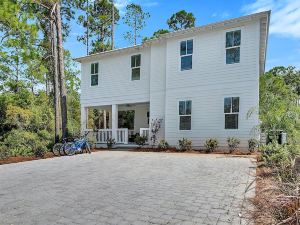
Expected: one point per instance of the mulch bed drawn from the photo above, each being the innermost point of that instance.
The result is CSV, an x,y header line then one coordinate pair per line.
x,y
271,204
17,159
174,150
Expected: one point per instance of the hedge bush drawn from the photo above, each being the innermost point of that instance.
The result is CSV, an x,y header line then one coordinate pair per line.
x,y
211,144
233,143
185,144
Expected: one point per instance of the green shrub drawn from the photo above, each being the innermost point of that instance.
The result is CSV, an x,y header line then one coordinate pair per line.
x,y
281,158
252,144
233,143
211,144
140,140
4,152
24,143
185,144
163,144
110,142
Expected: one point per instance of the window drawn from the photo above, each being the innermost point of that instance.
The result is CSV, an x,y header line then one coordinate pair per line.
x,y
185,115
186,54
94,74
135,67
231,110
233,42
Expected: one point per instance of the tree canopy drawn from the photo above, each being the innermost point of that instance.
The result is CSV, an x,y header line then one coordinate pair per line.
x,y
181,20
135,18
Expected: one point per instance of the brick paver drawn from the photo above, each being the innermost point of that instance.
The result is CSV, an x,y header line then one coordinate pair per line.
x,y
124,188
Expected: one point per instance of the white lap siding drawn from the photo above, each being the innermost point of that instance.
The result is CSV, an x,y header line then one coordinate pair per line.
x,y
209,82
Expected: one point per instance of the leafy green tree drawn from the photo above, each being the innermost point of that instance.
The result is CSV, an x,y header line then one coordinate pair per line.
x,y
278,106
135,18
290,75
181,20
156,34
97,21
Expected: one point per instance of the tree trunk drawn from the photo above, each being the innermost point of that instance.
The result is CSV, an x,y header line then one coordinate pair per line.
x,y
113,25
63,91
87,28
55,81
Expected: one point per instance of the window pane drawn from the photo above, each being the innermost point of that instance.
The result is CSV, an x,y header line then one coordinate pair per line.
x,y
182,108
190,47
235,104
96,65
237,38
229,39
94,80
231,121
92,68
183,48
138,60
186,62
188,110
227,105
135,74
185,123
233,55
133,61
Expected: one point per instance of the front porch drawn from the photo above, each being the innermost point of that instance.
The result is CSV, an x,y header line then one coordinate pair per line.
x,y
121,122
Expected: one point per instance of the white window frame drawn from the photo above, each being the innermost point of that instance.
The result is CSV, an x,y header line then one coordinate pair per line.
x,y
231,113
237,46
184,114
180,56
135,67
94,74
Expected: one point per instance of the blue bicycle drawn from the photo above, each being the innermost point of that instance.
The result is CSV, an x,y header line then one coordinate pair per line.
x,y
78,146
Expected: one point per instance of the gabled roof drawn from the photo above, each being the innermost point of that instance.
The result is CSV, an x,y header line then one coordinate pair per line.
x,y
264,18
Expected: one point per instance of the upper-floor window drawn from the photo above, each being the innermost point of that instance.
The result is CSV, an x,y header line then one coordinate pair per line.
x,y
135,67
185,115
186,54
94,74
233,43
231,111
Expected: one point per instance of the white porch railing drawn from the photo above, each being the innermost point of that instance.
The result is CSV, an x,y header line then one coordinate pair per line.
x,y
122,136
144,132
102,135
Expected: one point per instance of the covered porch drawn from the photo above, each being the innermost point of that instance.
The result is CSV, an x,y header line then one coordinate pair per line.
x,y
122,122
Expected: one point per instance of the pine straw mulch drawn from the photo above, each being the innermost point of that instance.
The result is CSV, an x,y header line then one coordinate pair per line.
x,y
275,202
203,152
17,159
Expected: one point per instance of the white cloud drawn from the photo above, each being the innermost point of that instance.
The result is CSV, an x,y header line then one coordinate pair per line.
x,y
285,17
223,15
121,4
150,4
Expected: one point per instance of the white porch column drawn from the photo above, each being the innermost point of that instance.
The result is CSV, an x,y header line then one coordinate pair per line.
x,y
104,121
114,120
84,118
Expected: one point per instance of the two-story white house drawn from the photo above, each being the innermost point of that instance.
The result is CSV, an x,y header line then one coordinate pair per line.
x,y
201,82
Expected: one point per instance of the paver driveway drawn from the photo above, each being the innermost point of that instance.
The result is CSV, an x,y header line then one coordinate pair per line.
x,y
124,188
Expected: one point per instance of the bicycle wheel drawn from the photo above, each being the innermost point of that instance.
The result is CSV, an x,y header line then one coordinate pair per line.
x,y
62,149
87,148
69,148
56,149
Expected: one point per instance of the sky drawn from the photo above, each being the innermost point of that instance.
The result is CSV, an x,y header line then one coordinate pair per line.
x,y
284,37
